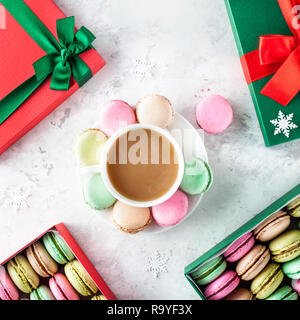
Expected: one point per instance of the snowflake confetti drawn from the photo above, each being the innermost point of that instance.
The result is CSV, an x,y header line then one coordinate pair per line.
x,y
157,264
144,68
284,124
16,197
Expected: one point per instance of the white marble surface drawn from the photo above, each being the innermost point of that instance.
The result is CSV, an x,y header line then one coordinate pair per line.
x,y
184,50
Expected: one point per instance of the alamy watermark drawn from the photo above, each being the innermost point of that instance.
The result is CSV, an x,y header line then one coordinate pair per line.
x,y
296,19
2,17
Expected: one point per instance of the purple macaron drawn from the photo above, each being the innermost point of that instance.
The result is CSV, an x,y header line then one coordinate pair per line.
x,y
8,290
240,247
222,286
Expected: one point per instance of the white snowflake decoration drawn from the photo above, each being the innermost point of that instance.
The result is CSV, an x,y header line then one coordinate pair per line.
x,y
157,264
16,197
144,68
284,124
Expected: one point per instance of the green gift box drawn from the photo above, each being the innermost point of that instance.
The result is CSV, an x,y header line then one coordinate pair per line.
x,y
253,21
223,245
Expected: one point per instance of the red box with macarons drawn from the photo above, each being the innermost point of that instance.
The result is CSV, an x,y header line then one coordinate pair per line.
x,y
52,267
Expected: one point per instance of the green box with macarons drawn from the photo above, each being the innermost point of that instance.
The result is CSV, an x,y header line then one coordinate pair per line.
x,y
260,260
52,267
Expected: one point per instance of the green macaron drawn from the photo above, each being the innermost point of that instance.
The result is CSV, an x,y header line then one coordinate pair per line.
x,y
197,177
209,271
267,281
80,279
286,247
95,193
42,293
292,269
284,293
294,208
22,274
57,248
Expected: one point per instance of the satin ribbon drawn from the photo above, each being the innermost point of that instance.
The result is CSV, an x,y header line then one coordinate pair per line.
x,y
277,54
62,59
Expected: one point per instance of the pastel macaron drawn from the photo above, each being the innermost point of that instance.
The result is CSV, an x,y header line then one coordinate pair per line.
x,y
89,146
61,288
292,269
155,110
8,290
294,208
286,247
240,247
22,274
284,293
214,114
115,115
95,193
57,248
296,285
209,271
42,293
272,227
80,279
253,262
240,294
197,177
172,211
129,219
40,260
222,286
267,281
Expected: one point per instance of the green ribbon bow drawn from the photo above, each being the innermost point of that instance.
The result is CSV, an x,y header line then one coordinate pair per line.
x,y
62,59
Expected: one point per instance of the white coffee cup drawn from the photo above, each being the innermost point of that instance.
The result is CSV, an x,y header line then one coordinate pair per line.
x,y
104,159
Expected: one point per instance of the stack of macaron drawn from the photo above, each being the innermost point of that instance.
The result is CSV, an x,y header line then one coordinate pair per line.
x,y
261,264
46,270
155,110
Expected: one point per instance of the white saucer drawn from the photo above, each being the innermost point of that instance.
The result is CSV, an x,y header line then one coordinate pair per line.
x,y
194,142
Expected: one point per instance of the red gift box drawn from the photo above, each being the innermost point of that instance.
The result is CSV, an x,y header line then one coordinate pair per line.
x,y
80,256
17,55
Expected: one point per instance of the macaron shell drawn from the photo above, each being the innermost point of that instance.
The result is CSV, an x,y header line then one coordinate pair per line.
x,y
214,114
294,204
40,260
156,110
240,247
131,219
296,285
284,293
89,146
222,286
240,294
61,288
172,211
253,262
272,227
267,281
99,297
292,268
95,193
196,181
209,271
22,274
63,246
42,293
80,279
286,247
8,290
115,115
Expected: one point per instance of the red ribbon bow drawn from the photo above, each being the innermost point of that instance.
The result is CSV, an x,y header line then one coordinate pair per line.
x,y
280,55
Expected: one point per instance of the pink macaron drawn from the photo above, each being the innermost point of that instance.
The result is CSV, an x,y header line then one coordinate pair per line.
x,y
8,290
222,286
296,285
172,211
240,247
214,114
61,288
115,115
